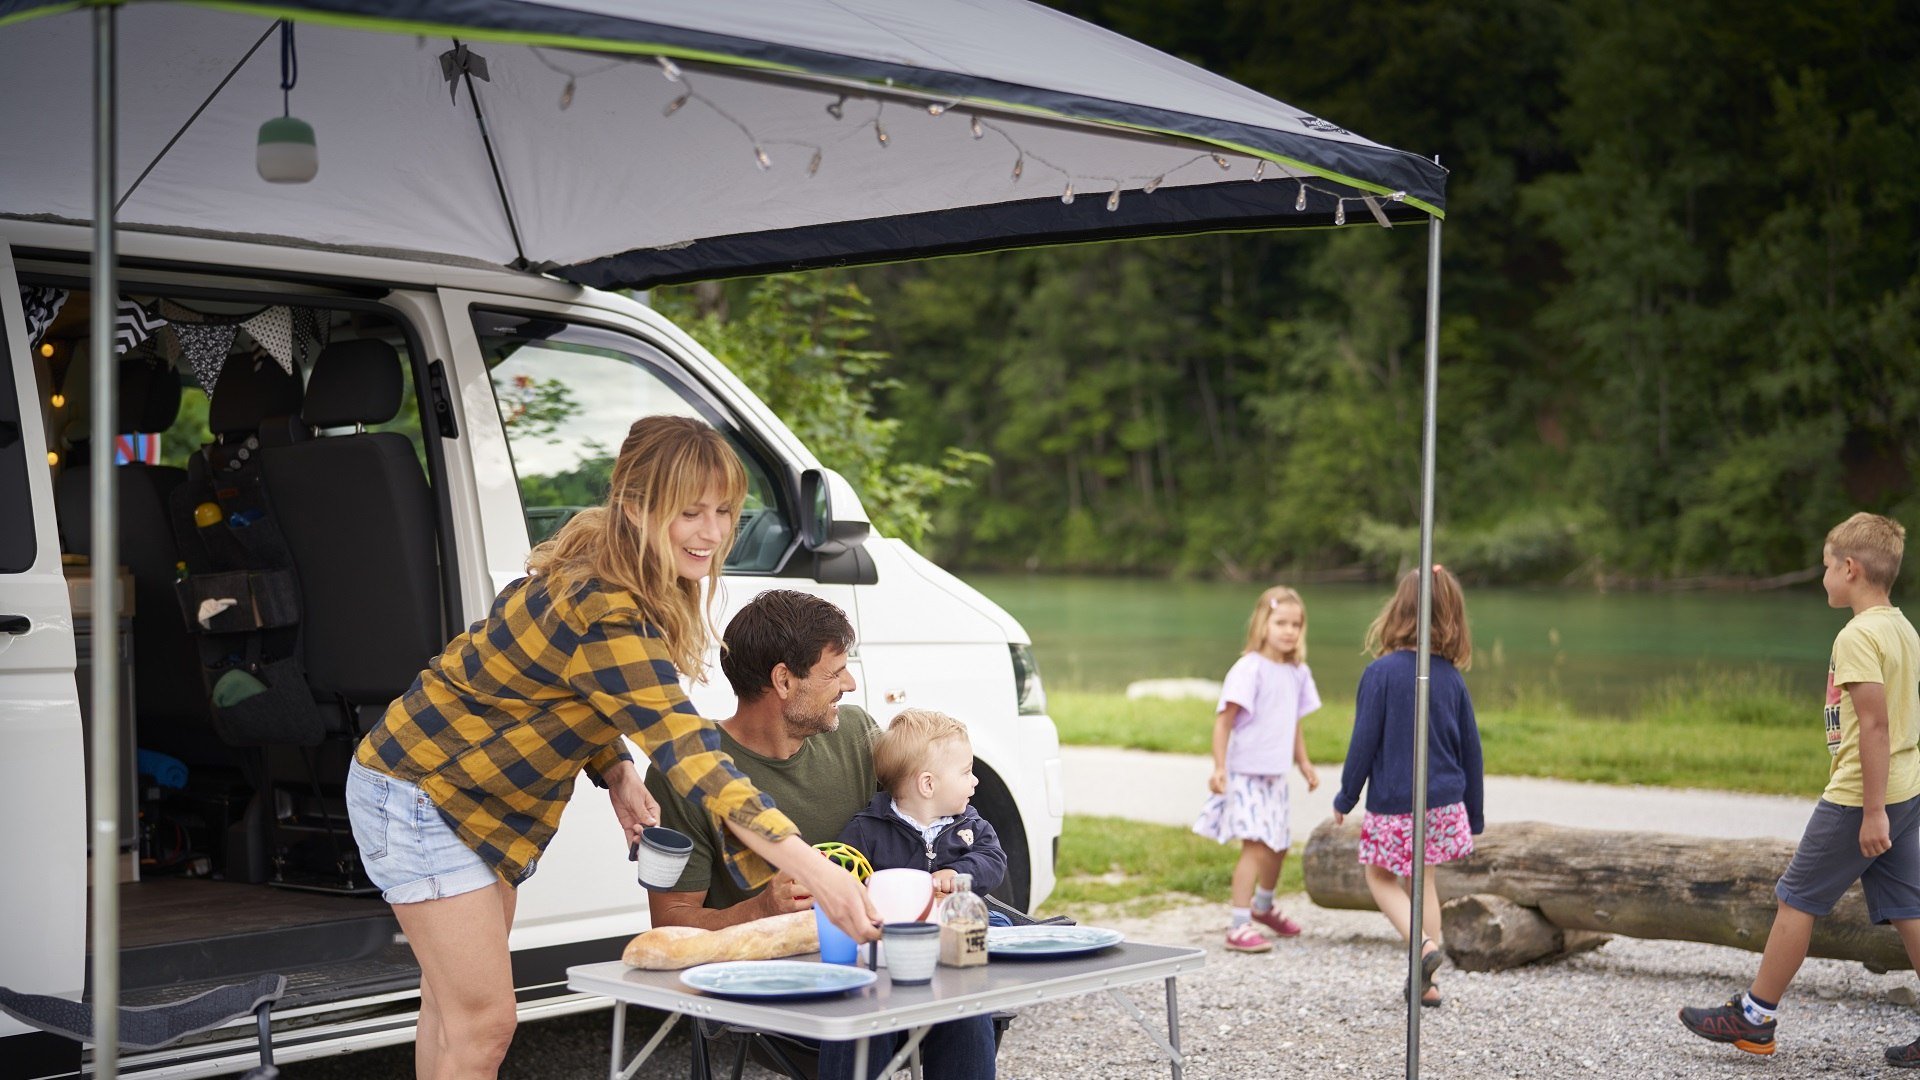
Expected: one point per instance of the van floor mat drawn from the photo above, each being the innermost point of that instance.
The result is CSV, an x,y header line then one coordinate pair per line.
x,y
391,970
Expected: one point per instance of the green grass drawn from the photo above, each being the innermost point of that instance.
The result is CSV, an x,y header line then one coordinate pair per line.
x,y
1709,731
1142,867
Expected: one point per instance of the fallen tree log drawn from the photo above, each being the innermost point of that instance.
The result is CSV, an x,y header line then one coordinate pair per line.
x,y
1645,885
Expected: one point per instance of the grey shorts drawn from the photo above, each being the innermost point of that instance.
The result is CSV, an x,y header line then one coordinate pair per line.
x,y
1829,860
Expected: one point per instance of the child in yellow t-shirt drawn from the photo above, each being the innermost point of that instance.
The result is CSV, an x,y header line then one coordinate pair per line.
x,y
1866,826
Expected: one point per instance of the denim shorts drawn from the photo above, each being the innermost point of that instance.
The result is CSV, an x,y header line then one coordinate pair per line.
x,y
1828,860
407,848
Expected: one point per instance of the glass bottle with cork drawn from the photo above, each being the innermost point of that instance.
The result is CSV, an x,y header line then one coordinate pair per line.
x,y
963,925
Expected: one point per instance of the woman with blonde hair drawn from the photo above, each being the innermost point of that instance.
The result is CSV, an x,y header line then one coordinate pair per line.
x,y
458,789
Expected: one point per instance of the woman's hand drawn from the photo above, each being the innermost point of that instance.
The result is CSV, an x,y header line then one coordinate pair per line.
x,y
1217,783
633,804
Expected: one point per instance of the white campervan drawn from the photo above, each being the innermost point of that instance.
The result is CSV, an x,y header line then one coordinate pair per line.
x,y
443,418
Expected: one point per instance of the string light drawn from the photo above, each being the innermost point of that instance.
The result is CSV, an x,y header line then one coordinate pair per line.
x,y
977,128
566,95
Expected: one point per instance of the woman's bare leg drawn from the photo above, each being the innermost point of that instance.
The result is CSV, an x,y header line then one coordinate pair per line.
x,y
466,981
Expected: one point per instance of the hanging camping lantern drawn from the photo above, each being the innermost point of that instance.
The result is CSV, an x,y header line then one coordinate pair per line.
x,y
286,153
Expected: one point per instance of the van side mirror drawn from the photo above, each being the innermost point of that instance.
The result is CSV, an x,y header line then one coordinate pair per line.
x,y
821,491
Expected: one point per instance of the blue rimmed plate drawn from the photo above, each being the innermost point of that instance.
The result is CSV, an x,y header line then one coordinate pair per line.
x,y
775,978
1047,941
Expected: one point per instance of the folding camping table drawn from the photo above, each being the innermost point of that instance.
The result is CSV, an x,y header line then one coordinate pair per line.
x,y
882,1007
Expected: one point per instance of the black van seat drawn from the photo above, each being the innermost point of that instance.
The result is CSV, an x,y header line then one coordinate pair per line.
x,y
169,701
358,518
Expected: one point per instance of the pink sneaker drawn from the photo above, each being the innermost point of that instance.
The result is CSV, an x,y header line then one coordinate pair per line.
x,y
1276,922
1244,938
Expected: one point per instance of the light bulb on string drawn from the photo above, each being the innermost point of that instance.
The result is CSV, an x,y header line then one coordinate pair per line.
x,y
566,96
880,133
1019,166
760,158
676,105
1113,200
1398,196
285,152
1067,195
1300,200
1259,170
979,131
1154,184
1221,160
813,166
1340,213
939,107
668,68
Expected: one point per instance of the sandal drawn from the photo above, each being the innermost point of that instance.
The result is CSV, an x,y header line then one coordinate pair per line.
x,y
1429,964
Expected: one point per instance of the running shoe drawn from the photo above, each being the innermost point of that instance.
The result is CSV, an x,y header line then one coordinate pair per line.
x,y
1729,1024
1904,1057
1276,922
1244,938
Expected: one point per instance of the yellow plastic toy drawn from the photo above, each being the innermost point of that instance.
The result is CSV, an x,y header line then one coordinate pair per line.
x,y
206,515
847,857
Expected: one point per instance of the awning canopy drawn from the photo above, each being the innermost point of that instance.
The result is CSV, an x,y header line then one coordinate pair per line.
x,y
634,144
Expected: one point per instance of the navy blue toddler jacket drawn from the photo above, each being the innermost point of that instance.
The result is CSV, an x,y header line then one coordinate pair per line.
x,y
967,846
1380,753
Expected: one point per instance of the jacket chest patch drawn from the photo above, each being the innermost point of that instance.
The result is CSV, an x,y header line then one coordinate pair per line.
x,y
965,835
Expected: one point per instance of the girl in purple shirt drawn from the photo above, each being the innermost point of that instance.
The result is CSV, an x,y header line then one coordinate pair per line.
x,y
1256,739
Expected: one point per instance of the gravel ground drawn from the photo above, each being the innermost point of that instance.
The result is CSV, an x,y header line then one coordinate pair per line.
x,y
1328,1004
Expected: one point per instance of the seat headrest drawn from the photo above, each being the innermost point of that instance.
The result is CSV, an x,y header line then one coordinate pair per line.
x,y
354,382
149,397
248,391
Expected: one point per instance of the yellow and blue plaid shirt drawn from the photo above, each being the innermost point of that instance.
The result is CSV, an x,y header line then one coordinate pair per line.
x,y
499,724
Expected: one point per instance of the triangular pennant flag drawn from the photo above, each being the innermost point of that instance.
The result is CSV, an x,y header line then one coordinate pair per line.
x,y
205,350
272,330
310,332
41,303
133,324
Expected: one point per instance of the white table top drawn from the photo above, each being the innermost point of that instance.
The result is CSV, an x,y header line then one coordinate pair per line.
x,y
883,1007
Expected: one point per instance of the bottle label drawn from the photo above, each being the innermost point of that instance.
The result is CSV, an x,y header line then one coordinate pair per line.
x,y
963,944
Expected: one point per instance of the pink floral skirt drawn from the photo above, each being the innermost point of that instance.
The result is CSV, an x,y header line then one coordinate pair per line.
x,y
1386,840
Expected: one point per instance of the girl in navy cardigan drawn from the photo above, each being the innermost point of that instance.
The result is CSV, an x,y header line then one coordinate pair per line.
x,y
1380,757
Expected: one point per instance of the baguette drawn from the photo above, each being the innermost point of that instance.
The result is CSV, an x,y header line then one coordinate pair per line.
x,y
668,948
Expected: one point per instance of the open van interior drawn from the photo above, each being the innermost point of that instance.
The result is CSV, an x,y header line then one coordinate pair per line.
x,y
281,580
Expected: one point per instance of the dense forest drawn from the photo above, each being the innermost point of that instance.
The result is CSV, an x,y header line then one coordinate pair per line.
x,y
1681,331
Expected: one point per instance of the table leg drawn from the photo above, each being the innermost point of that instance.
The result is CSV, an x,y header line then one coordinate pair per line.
x,y
1173,1027
619,1039
697,1068
910,1050
615,1071
860,1059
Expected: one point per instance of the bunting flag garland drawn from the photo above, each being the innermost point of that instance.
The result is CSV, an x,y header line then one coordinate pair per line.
x,y
272,330
133,324
204,346
41,303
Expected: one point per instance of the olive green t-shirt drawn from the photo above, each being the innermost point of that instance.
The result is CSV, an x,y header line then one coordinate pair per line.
x,y
827,781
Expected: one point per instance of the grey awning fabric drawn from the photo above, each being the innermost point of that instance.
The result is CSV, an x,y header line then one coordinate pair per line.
x,y
612,191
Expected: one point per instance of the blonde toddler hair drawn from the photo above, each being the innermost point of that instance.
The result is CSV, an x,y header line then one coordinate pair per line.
x,y
901,751
1876,543
1398,624
1257,622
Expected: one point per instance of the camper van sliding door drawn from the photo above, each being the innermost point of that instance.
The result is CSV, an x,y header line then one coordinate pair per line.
x,y
42,776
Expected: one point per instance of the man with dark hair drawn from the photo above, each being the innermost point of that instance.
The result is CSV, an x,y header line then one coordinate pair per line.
x,y
785,654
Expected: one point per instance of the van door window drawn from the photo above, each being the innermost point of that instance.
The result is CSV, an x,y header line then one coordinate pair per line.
x,y
16,528
567,393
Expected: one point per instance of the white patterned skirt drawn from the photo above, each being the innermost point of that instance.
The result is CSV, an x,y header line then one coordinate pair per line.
x,y
1254,808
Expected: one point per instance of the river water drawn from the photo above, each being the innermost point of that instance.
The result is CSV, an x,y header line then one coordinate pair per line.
x,y
1597,653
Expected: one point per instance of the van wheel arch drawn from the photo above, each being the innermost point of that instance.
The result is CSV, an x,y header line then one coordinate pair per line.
x,y
995,803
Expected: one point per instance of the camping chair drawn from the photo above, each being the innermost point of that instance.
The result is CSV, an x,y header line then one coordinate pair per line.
x,y
150,1027
797,1059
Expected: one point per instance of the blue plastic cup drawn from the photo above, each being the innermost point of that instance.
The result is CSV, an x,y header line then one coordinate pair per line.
x,y
835,946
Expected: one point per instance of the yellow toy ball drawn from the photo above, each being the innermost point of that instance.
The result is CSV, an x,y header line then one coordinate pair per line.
x,y
847,857
206,515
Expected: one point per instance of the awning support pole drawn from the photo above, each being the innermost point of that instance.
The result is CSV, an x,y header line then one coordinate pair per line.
x,y
104,607
1422,657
